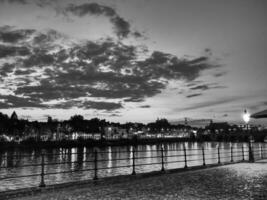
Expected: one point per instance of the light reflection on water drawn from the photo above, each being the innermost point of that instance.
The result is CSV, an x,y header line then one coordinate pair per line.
x,y
74,159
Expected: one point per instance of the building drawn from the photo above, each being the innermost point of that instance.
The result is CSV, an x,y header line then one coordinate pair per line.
x,y
112,132
218,127
14,116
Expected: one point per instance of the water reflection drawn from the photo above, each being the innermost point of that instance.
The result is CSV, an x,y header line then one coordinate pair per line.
x,y
112,157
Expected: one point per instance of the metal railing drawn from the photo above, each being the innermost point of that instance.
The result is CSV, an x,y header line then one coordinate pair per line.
x,y
216,155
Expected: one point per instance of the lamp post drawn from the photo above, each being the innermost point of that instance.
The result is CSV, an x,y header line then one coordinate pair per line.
x,y
246,118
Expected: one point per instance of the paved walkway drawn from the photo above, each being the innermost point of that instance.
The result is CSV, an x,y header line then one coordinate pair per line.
x,y
237,181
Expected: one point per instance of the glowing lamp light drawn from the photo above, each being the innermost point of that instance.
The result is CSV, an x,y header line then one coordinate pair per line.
x,y
246,116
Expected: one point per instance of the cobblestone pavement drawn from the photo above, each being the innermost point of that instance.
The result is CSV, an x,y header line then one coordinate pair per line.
x,y
237,181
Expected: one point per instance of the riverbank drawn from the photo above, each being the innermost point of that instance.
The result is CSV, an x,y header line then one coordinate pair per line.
x,y
88,143
235,181
96,143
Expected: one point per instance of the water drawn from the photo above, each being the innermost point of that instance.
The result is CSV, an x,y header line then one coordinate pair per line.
x,y
112,161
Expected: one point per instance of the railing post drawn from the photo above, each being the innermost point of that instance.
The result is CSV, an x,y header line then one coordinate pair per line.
x,y
232,160
95,169
42,183
162,160
203,156
185,159
261,152
219,158
243,154
251,156
133,152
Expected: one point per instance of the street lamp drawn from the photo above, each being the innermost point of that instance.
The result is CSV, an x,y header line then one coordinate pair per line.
x,y
246,118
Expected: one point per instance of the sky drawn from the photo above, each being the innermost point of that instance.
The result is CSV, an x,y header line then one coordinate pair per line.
x,y
133,60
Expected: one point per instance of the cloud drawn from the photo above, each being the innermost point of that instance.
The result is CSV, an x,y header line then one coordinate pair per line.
x,y
10,101
15,1
207,87
92,9
200,87
40,3
211,103
98,105
121,26
193,95
50,70
6,68
168,66
137,34
219,74
8,35
145,106
7,51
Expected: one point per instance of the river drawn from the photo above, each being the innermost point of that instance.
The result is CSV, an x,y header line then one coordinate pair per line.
x,y
16,162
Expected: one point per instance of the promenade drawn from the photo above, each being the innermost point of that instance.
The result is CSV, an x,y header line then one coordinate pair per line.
x,y
235,181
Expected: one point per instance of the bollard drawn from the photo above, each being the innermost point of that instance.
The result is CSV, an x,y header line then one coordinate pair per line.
x,y
133,152
219,158
95,169
261,152
42,183
243,155
203,156
162,160
185,159
232,160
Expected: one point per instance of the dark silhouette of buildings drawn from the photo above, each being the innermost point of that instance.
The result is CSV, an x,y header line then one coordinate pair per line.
x,y
14,116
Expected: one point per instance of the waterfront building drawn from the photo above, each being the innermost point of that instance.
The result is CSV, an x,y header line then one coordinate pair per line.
x,y
112,132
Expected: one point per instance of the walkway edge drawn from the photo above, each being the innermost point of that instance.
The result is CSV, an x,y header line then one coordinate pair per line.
x,y
102,181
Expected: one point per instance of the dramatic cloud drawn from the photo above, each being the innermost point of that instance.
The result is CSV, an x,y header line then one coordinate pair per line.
x,y
48,71
89,105
7,51
121,26
10,101
13,36
168,66
91,8
5,69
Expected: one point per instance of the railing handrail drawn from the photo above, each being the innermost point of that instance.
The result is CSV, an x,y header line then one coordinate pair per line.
x,y
116,159
104,152
204,154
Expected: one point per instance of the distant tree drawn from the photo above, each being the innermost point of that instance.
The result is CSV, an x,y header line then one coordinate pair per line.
x,y
159,125
49,119
76,118
4,123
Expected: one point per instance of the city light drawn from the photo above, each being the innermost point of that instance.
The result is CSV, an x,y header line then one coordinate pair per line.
x,y
246,117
